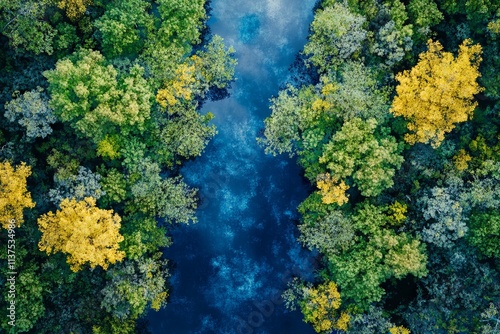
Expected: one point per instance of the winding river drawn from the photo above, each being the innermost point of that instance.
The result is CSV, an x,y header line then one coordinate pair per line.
x,y
231,267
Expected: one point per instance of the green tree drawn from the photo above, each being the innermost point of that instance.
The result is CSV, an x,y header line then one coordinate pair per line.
x,y
31,110
485,232
133,285
24,24
88,94
124,26
337,35
367,155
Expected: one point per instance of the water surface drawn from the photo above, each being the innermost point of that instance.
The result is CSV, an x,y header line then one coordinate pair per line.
x,y
232,266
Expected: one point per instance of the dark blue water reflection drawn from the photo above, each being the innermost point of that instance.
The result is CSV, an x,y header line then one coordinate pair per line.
x,y
232,265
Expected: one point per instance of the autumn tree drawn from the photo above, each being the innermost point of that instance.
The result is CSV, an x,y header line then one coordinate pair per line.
x,y
84,232
14,197
74,8
438,92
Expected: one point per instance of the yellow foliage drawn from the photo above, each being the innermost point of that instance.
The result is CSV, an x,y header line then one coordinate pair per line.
x,y
74,8
397,212
14,196
156,303
399,330
84,232
438,92
343,322
328,89
461,160
320,307
108,147
321,105
178,88
332,191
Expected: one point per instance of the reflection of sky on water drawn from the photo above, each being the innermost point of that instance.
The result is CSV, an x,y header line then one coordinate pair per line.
x,y
237,259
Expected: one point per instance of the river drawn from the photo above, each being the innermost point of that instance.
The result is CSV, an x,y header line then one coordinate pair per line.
x,y
231,267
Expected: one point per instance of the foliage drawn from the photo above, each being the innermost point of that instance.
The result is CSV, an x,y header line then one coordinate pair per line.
x,y
182,21
319,306
84,184
133,285
121,26
363,153
87,93
484,233
74,8
170,198
337,34
332,191
84,232
14,197
23,23
357,93
31,110
446,216
437,93
78,80
332,234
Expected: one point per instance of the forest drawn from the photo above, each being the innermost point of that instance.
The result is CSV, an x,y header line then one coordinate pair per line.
x,y
397,128
394,120
100,111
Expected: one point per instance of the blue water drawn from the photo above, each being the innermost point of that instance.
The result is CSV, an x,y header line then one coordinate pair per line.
x,y
231,267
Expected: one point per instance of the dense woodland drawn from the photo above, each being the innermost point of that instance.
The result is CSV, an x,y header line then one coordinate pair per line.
x,y
100,107
395,123
397,128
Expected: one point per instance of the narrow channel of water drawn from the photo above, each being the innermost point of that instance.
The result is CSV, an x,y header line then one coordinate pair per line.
x,y
232,264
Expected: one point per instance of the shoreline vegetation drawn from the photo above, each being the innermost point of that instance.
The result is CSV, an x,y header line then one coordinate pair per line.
x,y
101,110
397,128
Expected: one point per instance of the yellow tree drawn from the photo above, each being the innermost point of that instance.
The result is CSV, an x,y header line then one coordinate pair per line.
x,y
74,8
320,308
332,190
14,196
84,232
438,92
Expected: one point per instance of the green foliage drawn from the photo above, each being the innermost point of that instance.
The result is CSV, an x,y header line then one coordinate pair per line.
x,y
90,129
446,217
123,26
331,234
87,93
424,14
456,290
84,184
182,21
367,155
170,198
142,235
24,24
485,233
337,35
133,285
216,63
31,110
188,135
356,93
